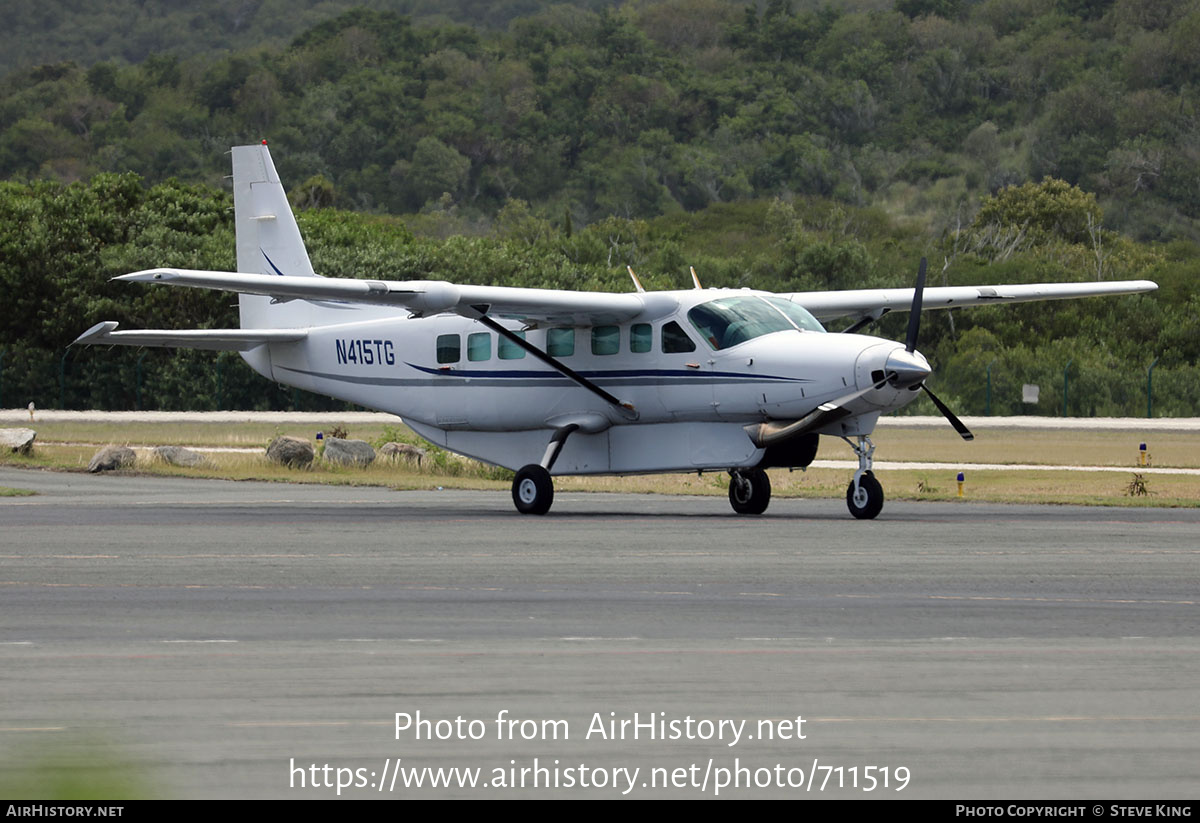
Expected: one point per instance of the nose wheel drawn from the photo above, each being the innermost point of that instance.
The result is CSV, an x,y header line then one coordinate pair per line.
x,y
749,491
864,497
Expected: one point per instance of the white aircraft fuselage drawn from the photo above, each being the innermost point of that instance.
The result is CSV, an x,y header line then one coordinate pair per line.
x,y
457,382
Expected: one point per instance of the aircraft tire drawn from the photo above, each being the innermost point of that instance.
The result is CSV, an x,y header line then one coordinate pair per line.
x,y
532,490
869,502
749,491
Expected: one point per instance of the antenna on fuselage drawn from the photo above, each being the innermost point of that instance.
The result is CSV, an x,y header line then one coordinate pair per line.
x,y
695,279
636,283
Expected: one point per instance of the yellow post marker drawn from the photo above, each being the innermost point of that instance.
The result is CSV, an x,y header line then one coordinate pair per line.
x,y
961,482
1142,454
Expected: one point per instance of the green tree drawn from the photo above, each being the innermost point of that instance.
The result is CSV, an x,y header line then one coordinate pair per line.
x,y
1049,210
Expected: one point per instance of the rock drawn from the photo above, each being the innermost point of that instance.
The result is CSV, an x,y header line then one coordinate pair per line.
x,y
403,451
20,441
179,456
290,451
348,452
110,458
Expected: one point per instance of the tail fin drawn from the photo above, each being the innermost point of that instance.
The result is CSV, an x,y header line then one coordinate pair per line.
x,y
268,239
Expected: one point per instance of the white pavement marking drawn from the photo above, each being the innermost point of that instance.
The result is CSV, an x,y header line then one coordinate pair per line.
x,y
881,465
1080,423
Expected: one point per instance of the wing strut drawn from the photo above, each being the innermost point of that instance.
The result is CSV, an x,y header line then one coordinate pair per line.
x,y
866,320
627,410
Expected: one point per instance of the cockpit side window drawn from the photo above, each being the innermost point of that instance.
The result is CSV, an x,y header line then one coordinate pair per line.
x,y
675,340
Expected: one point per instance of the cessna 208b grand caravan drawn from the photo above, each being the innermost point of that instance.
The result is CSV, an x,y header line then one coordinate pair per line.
x,y
560,382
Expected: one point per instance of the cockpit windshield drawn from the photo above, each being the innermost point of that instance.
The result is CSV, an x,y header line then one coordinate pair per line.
x,y
729,321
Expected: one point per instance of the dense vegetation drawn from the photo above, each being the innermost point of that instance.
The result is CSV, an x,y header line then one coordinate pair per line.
x,y
660,106
770,146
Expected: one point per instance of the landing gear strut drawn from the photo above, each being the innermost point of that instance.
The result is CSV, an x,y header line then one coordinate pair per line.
x,y
532,488
864,497
749,491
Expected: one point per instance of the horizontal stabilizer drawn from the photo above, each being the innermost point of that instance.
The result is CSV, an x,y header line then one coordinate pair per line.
x,y
105,334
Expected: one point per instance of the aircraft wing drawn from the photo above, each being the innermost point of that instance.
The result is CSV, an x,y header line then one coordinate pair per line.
x,y
104,334
424,297
826,305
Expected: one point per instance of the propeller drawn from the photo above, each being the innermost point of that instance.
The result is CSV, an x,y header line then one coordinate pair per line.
x,y
914,313
908,367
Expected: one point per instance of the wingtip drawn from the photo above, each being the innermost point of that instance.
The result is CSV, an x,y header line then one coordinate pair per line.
x,y
144,276
96,333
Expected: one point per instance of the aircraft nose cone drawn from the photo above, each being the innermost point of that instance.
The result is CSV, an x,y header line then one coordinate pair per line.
x,y
906,369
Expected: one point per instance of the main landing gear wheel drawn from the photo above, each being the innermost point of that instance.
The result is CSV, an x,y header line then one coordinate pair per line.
x,y
749,491
532,490
866,500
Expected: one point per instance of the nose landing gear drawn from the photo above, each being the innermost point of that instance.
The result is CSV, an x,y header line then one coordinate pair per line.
x,y
864,497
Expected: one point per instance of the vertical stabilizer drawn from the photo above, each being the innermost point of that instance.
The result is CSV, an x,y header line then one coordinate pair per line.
x,y
268,239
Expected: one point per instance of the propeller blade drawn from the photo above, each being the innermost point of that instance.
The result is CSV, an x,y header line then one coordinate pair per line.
x,y
963,431
914,315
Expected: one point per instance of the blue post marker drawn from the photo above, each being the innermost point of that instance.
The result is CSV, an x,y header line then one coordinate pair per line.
x,y
1142,454
962,479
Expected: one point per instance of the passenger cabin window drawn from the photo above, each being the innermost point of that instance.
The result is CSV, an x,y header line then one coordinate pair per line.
x,y
508,350
606,339
641,336
675,340
449,348
732,320
560,342
479,346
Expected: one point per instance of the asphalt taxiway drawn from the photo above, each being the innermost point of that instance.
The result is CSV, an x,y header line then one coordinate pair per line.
x,y
208,638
